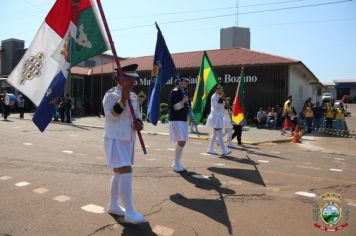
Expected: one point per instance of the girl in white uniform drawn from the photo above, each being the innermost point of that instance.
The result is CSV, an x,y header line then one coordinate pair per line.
x,y
216,121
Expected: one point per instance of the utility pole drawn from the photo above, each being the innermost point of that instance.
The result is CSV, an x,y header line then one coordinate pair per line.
x,y
237,13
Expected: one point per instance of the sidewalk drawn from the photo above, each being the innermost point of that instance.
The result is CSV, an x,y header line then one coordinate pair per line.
x,y
250,135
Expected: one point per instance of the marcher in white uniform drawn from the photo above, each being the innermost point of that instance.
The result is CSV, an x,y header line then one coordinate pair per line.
x,y
178,114
228,123
119,143
216,121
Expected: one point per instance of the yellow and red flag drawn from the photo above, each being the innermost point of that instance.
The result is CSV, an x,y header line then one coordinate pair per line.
x,y
239,102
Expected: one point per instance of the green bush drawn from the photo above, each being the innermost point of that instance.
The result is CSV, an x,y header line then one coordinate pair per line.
x,y
163,108
144,116
163,118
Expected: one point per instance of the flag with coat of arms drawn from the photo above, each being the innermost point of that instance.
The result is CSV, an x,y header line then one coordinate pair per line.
x,y
70,34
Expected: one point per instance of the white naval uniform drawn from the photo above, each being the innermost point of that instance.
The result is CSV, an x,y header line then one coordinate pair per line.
x,y
215,118
119,133
227,120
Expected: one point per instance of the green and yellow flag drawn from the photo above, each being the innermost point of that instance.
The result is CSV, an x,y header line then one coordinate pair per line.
x,y
206,82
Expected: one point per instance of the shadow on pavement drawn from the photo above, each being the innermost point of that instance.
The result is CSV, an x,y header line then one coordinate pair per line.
x,y
261,154
239,160
252,176
212,208
211,183
134,229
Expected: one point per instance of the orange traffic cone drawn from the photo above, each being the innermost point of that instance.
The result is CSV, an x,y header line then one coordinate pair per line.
x,y
296,138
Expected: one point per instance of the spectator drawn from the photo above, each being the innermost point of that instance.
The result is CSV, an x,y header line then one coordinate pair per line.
x,y
318,115
308,112
261,118
329,116
340,117
61,109
271,118
279,115
68,108
287,119
5,107
294,119
21,105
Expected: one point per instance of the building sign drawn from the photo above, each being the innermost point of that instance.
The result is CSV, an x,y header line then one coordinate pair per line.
x,y
226,79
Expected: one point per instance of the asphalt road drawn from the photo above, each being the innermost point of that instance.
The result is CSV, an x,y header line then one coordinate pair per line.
x,y
50,184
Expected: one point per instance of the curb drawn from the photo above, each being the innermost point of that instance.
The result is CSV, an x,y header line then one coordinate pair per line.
x,y
191,136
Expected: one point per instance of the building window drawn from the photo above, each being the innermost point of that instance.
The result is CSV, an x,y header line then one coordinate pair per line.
x,y
89,63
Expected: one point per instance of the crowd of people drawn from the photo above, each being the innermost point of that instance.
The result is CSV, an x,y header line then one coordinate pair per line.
x,y
313,116
64,110
9,102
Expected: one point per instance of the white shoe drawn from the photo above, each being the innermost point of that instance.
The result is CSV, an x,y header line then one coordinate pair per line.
x,y
183,167
178,168
227,152
231,145
134,218
212,152
116,210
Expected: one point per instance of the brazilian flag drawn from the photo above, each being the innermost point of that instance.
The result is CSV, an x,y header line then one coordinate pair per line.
x,y
207,80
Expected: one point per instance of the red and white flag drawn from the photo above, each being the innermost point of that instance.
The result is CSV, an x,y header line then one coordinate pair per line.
x,y
70,34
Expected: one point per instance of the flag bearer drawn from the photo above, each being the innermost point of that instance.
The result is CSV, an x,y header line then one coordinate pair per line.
x,y
215,121
178,114
119,143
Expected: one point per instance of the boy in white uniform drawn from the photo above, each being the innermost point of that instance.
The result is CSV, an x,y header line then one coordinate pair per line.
x,y
119,143
216,121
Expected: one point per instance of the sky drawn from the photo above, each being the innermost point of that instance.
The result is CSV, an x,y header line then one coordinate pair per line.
x,y
320,33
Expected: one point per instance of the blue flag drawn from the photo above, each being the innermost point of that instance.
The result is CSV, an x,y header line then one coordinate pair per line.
x,y
163,69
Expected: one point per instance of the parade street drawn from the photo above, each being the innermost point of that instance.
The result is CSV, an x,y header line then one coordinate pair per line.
x,y
57,183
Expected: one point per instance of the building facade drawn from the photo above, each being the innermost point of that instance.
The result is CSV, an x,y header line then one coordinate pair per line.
x,y
269,79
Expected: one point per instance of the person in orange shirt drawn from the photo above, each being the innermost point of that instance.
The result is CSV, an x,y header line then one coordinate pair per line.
x,y
340,117
329,116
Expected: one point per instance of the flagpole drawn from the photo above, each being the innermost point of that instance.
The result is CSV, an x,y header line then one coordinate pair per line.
x,y
120,73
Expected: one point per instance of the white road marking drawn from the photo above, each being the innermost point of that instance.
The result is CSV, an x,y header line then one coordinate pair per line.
x,y
93,209
16,127
206,154
336,170
307,163
40,190
22,184
5,177
170,149
61,198
67,151
150,159
73,135
162,230
27,144
263,161
308,167
219,164
306,194
200,176
339,159
352,204
275,152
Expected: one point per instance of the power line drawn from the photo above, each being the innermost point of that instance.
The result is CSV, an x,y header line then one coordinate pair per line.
x,y
241,13
207,10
